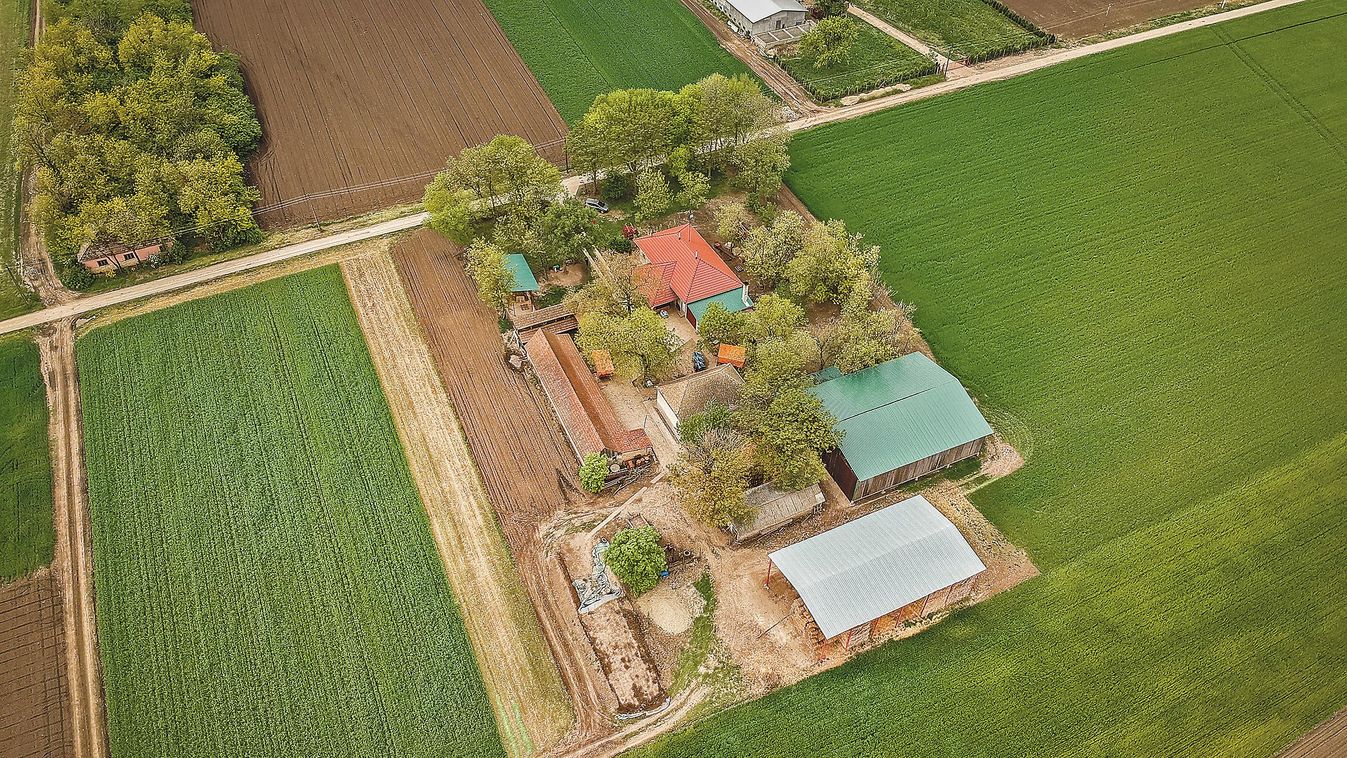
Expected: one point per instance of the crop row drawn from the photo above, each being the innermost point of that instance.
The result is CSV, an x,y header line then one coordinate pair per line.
x,y
266,580
26,535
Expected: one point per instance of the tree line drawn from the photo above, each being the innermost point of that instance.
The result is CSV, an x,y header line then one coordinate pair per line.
x,y
137,130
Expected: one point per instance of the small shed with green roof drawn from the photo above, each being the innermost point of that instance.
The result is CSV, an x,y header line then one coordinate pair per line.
x,y
524,280
901,420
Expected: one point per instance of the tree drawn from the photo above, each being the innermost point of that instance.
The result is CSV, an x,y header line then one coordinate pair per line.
x,y
791,434
832,265
718,326
693,189
773,318
640,344
652,196
565,232
693,429
593,472
109,18
712,477
776,366
636,558
494,279
453,212
631,128
760,165
827,8
830,42
864,337
505,172
614,290
732,221
725,112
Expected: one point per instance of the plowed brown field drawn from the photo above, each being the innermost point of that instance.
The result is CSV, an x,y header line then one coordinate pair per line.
x,y
360,103
33,695
528,470
1073,19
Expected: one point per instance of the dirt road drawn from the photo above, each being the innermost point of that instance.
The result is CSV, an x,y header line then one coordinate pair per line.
x,y
73,564
532,711
34,701
528,470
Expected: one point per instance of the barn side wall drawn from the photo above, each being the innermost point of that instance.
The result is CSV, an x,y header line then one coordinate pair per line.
x,y
899,476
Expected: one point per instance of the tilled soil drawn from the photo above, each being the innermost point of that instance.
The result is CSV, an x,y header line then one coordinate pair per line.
x,y
515,664
34,698
528,470
1072,19
360,103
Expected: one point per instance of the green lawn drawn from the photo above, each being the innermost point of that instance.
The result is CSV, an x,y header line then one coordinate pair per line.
x,y
877,60
26,536
580,49
266,580
963,28
14,34
1137,261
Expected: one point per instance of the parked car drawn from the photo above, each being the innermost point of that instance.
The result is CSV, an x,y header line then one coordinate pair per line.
x,y
596,204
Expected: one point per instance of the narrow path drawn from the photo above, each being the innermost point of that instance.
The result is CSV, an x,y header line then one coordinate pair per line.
x,y
73,562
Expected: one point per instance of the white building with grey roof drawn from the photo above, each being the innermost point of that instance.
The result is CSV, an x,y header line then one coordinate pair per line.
x,y
753,17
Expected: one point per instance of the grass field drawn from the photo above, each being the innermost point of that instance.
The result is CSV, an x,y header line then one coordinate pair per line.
x,y
876,60
266,580
579,49
962,28
1137,262
26,536
14,33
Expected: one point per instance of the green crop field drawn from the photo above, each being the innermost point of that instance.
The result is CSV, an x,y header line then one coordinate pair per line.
x,y
266,580
1137,262
963,28
580,49
26,536
14,32
876,60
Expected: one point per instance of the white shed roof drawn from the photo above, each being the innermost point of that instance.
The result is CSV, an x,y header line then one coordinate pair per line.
x,y
878,563
757,10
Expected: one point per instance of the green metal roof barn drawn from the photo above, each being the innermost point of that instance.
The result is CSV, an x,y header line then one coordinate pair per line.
x,y
901,420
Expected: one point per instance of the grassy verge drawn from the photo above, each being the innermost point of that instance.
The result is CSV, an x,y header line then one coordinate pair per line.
x,y
877,60
266,581
580,49
1163,311
971,29
26,536
15,298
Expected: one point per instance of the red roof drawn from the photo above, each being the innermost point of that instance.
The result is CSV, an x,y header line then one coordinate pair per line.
x,y
581,407
688,266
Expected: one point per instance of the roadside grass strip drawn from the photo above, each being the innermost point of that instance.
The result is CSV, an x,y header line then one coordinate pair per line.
x,y
1139,257
580,49
26,535
877,60
266,580
971,29
15,298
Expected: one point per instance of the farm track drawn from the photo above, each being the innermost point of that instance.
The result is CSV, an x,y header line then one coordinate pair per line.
x,y
34,714
526,467
1073,19
73,564
346,101
516,667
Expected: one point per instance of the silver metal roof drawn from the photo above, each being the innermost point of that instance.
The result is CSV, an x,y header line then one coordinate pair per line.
x,y
757,10
878,563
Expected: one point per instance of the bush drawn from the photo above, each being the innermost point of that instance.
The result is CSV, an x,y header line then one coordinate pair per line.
x,y
637,558
618,187
622,245
593,472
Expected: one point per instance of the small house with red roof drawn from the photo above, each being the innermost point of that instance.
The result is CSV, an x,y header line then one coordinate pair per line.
x,y
682,269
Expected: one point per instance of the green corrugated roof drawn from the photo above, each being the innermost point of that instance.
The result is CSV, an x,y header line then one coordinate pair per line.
x,y
732,300
523,275
899,412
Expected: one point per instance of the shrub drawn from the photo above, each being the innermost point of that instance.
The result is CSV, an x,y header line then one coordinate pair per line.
x,y
637,558
593,472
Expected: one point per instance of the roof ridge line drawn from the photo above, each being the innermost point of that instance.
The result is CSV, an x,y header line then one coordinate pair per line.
x,y
900,399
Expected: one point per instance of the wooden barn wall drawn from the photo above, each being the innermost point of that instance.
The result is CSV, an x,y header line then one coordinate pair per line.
x,y
916,469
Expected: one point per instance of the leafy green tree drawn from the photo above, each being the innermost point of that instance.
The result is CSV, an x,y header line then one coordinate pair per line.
x,y
791,434
830,42
718,326
724,113
631,128
614,290
494,279
107,19
832,265
505,172
864,337
693,189
565,231
652,196
640,344
453,212
636,558
693,429
773,318
732,221
827,8
767,250
760,165
711,479
593,472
